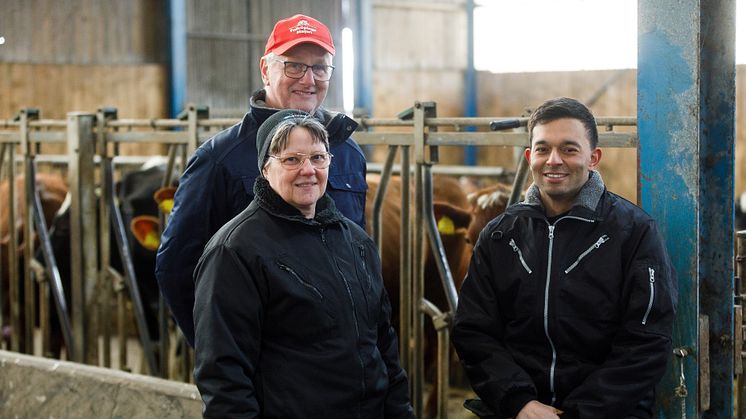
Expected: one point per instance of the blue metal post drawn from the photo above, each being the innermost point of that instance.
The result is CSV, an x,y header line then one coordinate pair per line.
x,y
470,82
363,54
686,128
178,64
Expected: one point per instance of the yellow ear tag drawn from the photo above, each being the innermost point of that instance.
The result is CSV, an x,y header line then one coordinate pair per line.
x,y
446,226
151,241
166,206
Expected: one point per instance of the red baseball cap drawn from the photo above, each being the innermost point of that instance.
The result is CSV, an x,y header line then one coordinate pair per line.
x,y
297,30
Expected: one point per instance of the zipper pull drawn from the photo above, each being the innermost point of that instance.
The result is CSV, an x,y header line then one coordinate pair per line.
x,y
652,274
551,232
601,240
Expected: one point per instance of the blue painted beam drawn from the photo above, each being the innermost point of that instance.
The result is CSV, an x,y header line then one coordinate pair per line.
x,y
470,82
685,123
363,57
178,60
668,125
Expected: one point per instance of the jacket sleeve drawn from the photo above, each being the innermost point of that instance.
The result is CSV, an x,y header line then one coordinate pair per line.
x,y
478,338
398,403
640,352
191,224
226,355
346,183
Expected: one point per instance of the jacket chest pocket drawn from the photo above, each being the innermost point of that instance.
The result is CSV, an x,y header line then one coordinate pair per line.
x,y
589,283
520,294
300,306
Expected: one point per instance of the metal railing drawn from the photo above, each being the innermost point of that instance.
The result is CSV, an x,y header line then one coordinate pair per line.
x,y
93,158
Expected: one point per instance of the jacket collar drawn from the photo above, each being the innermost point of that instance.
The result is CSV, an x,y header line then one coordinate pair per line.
x,y
270,201
586,201
338,125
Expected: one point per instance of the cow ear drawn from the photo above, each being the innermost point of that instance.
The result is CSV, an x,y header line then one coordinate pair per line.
x,y
164,197
450,218
146,230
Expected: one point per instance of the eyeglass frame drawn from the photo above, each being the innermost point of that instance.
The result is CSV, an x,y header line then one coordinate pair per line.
x,y
305,70
303,157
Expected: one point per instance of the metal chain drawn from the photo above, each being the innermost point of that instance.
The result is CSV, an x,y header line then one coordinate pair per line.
x,y
680,391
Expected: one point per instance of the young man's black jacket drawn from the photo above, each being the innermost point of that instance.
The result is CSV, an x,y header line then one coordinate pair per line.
x,y
575,312
292,320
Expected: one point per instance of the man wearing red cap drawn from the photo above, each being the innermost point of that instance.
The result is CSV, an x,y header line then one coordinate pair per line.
x,y
219,178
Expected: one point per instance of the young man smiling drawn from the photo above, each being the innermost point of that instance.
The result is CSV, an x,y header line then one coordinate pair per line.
x,y
568,304
219,179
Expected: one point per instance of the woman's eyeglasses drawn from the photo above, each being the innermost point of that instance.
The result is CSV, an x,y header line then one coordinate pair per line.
x,y
295,161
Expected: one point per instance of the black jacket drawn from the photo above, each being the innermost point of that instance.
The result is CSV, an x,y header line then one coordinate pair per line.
x,y
576,313
292,320
218,184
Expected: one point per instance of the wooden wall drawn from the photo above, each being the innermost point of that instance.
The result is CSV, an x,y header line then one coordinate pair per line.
x,y
419,55
81,55
613,93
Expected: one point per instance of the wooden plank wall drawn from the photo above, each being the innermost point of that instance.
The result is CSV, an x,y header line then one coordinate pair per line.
x,y
81,55
511,94
419,55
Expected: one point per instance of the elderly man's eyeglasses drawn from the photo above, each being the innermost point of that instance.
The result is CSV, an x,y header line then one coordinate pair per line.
x,y
295,161
298,70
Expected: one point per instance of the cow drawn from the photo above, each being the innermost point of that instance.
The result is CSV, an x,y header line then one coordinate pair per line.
x,y
52,190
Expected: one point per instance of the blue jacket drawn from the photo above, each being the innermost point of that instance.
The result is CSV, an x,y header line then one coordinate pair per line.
x,y
218,184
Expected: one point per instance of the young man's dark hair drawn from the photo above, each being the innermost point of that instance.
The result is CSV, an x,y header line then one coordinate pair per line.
x,y
563,107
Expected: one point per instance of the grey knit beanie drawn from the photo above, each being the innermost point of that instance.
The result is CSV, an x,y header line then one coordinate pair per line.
x,y
267,131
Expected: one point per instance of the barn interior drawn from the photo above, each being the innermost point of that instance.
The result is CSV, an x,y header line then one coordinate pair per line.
x,y
161,76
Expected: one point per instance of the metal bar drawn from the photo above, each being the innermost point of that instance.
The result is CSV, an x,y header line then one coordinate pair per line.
x,y
454,170
418,289
436,244
14,286
28,235
405,267
54,279
380,194
520,139
738,348
83,255
130,279
441,321
104,239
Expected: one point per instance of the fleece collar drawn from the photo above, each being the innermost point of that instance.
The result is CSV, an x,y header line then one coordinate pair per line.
x,y
270,201
588,197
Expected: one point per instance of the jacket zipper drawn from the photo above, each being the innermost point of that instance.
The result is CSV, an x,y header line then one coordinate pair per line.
x,y
546,315
553,366
363,388
520,255
651,271
601,240
365,265
299,279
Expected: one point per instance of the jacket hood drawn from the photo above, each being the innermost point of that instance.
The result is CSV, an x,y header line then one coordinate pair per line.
x,y
270,201
339,126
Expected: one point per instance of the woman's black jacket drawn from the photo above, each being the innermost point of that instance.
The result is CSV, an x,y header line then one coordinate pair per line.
x,y
292,320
